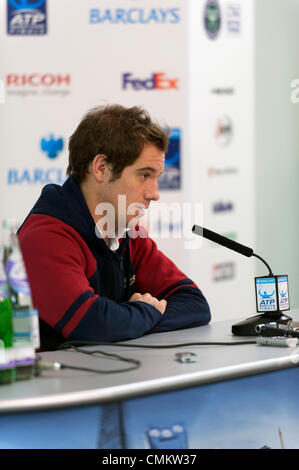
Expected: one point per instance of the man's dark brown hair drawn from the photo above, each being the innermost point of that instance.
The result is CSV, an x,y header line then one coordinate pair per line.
x,y
117,132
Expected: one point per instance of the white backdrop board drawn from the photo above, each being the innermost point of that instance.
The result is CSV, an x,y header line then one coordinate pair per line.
x,y
59,58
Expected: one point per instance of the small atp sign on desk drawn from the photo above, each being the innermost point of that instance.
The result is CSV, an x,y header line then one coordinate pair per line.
x,y
272,293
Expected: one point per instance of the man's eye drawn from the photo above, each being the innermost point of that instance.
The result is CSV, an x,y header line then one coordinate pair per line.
x,y
146,175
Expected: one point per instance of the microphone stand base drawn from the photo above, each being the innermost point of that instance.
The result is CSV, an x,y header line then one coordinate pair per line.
x,y
247,327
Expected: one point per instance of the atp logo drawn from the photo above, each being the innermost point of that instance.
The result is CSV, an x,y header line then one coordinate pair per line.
x,y
52,146
264,294
26,17
26,4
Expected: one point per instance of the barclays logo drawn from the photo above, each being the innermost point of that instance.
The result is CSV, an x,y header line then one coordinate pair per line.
x,y
52,147
134,16
42,176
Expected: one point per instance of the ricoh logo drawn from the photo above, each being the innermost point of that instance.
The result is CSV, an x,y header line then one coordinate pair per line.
x,y
34,84
157,81
133,16
37,79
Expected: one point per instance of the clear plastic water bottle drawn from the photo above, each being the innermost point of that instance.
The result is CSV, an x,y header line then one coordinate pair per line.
x,y
7,358
24,316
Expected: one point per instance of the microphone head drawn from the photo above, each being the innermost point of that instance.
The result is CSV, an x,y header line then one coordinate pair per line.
x,y
221,240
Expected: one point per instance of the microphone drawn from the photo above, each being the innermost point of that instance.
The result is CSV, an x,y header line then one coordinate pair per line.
x,y
224,241
231,244
271,300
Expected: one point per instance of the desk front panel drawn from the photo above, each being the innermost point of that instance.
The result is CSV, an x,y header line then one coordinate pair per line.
x,y
250,412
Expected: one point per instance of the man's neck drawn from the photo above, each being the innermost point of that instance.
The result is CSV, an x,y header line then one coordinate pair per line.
x,y
92,200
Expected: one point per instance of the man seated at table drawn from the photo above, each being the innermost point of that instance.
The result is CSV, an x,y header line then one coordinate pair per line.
x,y
95,275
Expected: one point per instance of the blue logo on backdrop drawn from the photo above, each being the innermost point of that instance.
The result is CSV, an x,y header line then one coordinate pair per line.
x,y
221,206
51,146
26,17
134,16
171,178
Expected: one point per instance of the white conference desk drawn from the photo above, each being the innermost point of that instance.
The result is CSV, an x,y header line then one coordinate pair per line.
x,y
237,396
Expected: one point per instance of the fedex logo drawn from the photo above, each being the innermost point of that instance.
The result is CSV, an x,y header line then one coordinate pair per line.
x,y
158,81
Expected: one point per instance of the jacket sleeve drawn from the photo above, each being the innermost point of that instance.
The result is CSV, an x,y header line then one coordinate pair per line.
x,y
59,264
158,275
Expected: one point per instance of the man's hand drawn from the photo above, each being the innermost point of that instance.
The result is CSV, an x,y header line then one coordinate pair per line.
x,y
149,299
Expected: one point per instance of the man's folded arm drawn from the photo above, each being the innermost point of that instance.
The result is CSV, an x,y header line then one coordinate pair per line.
x,y
186,308
58,271
158,275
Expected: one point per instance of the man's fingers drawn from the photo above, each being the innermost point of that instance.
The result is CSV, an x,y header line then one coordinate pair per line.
x,y
149,299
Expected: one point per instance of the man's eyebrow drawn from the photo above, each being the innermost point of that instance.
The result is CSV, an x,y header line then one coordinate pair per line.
x,y
149,168
146,168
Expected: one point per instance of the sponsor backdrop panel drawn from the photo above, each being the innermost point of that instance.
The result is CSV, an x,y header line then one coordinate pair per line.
x,y
190,65
221,145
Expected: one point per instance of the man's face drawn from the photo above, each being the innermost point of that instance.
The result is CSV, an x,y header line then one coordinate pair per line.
x,y
138,183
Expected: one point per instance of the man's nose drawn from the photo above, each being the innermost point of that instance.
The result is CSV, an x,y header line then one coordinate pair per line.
x,y
152,193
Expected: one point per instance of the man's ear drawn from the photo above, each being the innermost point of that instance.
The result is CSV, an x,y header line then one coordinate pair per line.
x,y
99,167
